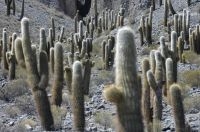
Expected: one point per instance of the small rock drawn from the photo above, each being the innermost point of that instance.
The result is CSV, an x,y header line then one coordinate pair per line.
x,y
28,127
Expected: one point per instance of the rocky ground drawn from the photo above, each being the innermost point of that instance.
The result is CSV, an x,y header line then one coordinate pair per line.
x,y
17,112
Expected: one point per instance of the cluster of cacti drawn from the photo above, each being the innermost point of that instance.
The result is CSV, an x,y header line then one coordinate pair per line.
x,y
107,47
182,23
126,92
138,99
145,28
194,39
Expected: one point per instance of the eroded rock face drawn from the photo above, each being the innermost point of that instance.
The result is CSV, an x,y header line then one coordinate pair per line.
x,y
71,6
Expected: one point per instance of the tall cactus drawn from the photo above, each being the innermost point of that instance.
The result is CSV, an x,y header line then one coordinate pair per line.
x,y
87,65
43,41
174,53
146,104
169,76
157,103
5,43
37,81
77,98
58,75
178,110
53,29
126,92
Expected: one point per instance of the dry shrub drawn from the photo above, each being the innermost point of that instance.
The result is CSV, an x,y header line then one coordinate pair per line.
x,y
104,118
192,57
191,103
59,114
191,78
14,89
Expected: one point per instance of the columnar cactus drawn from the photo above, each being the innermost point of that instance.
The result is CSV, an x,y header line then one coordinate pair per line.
x,y
157,103
77,98
178,110
87,65
152,61
146,104
176,28
180,48
58,75
169,76
68,77
99,28
10,5
37,81
51,58
171,7
5,43
19,53
61,34
83,49
180,23
163,47
103,21
14,36
169,31
53,29
43,41
126,91
174,53
141,34
11,62
96,14
187,26
50,40
166,8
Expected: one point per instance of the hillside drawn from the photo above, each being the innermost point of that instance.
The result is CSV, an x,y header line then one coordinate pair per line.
x,y
18,99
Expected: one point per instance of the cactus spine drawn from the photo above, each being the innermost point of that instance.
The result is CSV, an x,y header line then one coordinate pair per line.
x,y
177,106
38,82
126,83
58,75
78,97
